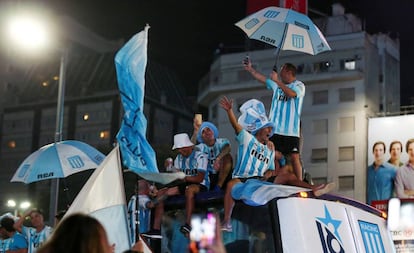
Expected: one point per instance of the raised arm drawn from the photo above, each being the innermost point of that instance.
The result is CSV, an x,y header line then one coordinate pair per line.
x,y
196,127
227,105
19,223
256,74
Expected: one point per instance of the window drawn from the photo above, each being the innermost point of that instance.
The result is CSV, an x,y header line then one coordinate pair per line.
x,y
320,97
346,183
346,154
322,66
346,124
300,68
320,126
104,134
11,144
319,155
346,94
348,64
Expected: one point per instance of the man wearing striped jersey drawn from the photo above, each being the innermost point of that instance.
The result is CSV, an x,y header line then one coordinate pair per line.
x,y
38,233
285,111
218,154
255,159
193,163
257,155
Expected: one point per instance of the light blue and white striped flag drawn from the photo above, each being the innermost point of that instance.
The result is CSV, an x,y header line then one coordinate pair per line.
x,y
131,62
257,193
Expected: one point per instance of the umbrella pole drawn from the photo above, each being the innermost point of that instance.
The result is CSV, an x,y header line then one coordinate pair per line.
x,y
66,190
280,46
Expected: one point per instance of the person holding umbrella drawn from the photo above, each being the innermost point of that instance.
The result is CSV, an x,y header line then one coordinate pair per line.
x,y
285,111
36,235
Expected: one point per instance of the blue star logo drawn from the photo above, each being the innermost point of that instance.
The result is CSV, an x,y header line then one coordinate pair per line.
x,y
332,224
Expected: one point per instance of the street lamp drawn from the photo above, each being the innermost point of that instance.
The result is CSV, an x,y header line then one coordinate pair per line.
x,y
30,32
22,206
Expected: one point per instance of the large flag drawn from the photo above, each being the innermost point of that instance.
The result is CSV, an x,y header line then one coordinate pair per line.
x,y
256,192
131,62
103,197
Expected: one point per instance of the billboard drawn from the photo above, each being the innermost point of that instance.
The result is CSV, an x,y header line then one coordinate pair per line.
x,y
401,224
297,5
389,129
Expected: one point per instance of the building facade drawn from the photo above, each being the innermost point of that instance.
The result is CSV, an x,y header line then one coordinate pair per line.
x,y
92,110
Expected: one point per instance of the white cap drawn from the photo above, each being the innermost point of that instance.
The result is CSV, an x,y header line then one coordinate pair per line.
x,y
182,141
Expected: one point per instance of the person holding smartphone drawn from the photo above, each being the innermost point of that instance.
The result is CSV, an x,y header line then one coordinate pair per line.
x,y
285,110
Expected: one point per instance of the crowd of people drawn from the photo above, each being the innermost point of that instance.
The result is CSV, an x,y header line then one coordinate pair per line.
x,y
76,233
268,149
392,178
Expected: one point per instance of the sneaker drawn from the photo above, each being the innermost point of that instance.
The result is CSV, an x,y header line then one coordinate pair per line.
x,y
226,226
153,233
185,229
323,189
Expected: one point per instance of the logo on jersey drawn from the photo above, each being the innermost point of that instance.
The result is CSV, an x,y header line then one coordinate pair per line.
x,y
282,97
259,155
328,233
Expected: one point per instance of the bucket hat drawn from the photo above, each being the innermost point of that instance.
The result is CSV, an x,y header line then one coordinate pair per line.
x,y
253,117
182,141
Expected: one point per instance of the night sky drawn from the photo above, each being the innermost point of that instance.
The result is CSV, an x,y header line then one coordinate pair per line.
x,y
184,34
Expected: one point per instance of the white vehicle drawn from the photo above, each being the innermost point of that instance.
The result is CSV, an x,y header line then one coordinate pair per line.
x,y
277,218
291,219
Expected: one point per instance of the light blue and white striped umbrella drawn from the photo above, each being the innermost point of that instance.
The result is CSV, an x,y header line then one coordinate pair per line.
x,y
58,160
285,29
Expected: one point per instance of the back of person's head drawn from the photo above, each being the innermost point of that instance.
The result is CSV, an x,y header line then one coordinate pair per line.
x,y
7,223
77,233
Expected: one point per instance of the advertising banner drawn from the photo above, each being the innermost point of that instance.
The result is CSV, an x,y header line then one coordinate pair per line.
x,y
391,131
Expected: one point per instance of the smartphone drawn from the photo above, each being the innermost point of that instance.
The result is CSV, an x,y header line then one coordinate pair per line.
x,y
246,60
203,232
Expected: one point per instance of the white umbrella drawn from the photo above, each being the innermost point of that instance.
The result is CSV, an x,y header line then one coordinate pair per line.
x,y
58,160
285,29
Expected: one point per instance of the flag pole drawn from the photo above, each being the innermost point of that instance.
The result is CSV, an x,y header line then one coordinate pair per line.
x,y
54,187
137,212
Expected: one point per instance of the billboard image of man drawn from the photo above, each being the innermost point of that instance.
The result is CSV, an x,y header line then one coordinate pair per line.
x,y
396,148
404,180
380,175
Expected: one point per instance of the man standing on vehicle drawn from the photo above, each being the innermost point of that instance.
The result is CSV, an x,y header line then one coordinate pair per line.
x,y
285,111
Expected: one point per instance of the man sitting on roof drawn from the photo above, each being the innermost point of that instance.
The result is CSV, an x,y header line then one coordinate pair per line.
x,y
193,163
218,150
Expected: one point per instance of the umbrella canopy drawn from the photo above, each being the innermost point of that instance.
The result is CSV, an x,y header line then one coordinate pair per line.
x,y
58,160
285,29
